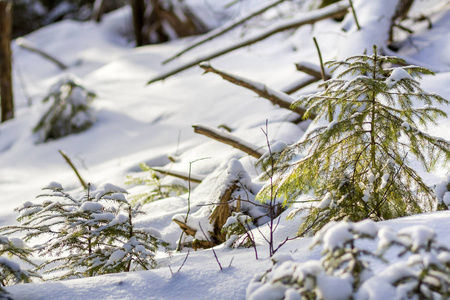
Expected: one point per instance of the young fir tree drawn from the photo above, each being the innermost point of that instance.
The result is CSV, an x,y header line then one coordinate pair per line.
x,y
69,112
90,235
11,272
359,165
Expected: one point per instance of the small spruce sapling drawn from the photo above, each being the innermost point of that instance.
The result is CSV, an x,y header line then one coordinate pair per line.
x,y
69,111
89,235
358,165
344,270
11,272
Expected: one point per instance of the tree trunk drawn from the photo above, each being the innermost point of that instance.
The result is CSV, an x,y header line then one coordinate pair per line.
x,y
138,7
97,11
6,88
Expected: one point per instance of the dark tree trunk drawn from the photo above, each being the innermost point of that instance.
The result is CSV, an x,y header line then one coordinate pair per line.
x,y
98,10
6,88
138,7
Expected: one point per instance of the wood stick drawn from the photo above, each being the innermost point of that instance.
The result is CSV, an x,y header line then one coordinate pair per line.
x,y
333,10
276,97
312,70
222,30
23,43
69,162
297,85
229,139
193,178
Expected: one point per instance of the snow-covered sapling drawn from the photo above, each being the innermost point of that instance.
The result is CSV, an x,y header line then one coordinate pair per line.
x,y
69,111
358,166
87,235
344,272
10,271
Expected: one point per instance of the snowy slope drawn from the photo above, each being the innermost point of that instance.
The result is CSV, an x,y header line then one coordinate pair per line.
x,y
138,123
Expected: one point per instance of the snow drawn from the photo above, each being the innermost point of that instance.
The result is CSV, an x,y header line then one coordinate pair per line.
x,y
397,75
136,123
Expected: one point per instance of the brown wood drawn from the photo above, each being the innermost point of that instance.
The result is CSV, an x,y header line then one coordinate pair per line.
x,y
187,177
337,9
229,139
295,86
264,92
138,7
97,11
315,72
221,213
188,230
6,87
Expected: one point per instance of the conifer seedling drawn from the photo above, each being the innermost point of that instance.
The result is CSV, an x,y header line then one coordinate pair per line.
x,y
359,165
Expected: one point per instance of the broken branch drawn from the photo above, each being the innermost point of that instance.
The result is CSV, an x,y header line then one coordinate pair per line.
x,y
193,178
229,139
279,98
23,43
336,9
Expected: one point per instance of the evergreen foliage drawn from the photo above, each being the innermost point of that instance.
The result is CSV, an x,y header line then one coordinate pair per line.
x,y
344,270
69,111
10,271
359,164
89,235
158,189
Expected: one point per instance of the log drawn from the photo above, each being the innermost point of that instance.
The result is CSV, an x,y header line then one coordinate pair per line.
x,y
23,43
186,229
229,139
187,177
6,87
221,213
337,9
278,98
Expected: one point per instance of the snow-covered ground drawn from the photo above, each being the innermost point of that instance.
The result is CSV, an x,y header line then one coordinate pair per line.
x,y
138,123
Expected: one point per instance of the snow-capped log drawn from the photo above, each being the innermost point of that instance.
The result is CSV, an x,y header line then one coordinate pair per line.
x,y
281,99
229,139
334,10
184,176
223,29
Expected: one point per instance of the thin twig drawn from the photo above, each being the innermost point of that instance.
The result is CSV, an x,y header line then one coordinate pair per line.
x,y
23,43
206,237
354,15
322,69
69,162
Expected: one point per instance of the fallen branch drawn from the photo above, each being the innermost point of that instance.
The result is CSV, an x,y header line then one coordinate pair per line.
x,y
278,98
229,139
69,162
312,70
297,85
336,9
188,230
193,178
222,30
23,43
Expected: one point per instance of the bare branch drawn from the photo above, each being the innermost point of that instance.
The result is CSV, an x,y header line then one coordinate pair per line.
x,y
312,70
69,162
23,43
276,97
193,178
229,139
336,9
223,29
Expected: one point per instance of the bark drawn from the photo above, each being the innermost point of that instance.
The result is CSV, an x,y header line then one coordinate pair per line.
x,y
312,70
184,176
337,9
97,11
229,139
138,7
299,84
6,87
276,97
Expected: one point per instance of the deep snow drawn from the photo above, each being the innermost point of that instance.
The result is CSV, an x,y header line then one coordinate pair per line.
x,y
138,123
